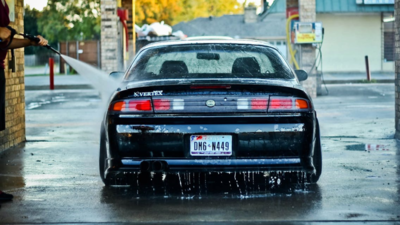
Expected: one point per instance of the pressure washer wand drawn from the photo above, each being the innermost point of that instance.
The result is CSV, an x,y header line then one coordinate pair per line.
x,y
36,39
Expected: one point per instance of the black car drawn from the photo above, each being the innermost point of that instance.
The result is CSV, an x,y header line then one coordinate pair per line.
x,y
208,106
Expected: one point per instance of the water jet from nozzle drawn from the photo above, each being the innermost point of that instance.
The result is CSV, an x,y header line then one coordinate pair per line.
x,y
97,78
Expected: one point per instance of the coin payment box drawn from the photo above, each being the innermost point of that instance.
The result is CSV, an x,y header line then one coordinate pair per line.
x,y
307,33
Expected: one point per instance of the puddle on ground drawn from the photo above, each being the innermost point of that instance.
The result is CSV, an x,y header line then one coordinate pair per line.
x,y
60,98
356,147
368,147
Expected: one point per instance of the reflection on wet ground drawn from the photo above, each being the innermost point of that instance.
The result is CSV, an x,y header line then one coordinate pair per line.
x,y
63,99
236,185
11,171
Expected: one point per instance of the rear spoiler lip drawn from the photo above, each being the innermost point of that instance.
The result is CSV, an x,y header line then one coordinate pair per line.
x,y
291,83
158,84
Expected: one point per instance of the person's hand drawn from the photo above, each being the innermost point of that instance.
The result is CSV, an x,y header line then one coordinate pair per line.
x,y
5,33
42,42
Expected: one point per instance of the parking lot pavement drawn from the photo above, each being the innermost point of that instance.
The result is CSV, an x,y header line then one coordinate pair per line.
x,y
54,175
347,78
61,82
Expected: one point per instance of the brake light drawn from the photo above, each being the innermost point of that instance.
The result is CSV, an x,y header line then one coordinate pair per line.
x,y
259,103
162,104
132,106
287,104
210,87
281,103
168,104
254,104
139,105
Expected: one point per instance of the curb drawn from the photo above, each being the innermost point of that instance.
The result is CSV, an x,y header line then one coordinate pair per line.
x,y
58,87
380,81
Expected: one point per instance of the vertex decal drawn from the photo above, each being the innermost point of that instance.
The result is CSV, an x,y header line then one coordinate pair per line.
x,y
147,94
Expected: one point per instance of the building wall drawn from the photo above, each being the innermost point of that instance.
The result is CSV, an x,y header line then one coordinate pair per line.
x,y
397,71
348,39
15,91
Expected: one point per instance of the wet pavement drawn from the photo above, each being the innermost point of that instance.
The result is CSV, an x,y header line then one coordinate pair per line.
x,y
54,175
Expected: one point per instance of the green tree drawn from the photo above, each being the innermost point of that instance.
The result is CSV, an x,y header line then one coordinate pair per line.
x,y
64,20
31,27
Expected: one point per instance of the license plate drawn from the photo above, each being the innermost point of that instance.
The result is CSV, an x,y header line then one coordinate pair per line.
x,y
210,145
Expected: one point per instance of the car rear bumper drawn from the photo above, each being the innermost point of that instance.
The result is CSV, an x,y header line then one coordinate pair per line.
x,y
130,166
248,140
259,144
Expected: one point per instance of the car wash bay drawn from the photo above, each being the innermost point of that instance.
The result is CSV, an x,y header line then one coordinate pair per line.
x,y
54,175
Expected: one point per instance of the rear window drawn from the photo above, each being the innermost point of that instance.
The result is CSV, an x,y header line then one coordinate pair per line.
x,y
209,61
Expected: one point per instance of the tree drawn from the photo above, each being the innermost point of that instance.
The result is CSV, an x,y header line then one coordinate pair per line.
x,y
206,8
31,27
175,11
64,20
150,11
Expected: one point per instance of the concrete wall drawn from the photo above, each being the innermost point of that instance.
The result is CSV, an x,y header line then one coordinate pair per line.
x,y
348,38
15,91
397,58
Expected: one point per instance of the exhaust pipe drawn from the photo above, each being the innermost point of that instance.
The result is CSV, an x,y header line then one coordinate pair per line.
x,y
157,166
145,166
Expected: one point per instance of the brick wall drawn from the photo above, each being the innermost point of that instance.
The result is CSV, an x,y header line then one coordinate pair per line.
x,y
109,34
307,52
15,91
397,69
307,10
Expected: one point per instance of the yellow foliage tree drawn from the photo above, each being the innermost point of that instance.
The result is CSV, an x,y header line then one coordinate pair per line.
x,y
175,11
150,11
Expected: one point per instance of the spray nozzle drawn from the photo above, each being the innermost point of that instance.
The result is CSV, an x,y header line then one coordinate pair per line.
x,y
37,40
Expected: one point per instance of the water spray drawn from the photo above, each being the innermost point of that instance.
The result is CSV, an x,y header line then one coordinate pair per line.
x,y
98,79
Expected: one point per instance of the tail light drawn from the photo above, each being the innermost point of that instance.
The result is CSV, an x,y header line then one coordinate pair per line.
x,y
132,106
168,104
162,104
274,104
145,105
288,104
259,103
252,104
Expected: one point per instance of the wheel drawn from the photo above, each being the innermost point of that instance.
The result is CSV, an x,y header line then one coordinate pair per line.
x,y
317,158
102,158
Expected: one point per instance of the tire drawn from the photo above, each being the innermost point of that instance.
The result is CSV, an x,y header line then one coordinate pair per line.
x,y
317,158
102,158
